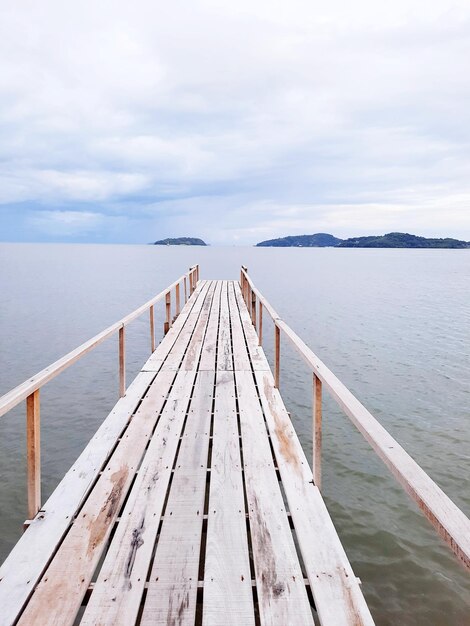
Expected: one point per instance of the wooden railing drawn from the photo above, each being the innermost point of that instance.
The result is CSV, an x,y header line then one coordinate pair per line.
x,y
449,521
29,390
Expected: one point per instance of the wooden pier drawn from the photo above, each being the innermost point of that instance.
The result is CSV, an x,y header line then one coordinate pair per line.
x,y
194,502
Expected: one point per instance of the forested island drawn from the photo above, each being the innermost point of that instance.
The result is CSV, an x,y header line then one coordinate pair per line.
x,y
180,241
319,240
390,240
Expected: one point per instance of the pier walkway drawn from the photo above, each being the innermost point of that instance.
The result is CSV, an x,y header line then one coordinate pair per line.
x,y
193,503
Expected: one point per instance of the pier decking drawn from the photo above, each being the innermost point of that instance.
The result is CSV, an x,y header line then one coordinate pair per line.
x,y
194,502
195,508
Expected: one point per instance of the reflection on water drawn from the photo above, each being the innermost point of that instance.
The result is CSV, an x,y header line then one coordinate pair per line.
x,y
394,325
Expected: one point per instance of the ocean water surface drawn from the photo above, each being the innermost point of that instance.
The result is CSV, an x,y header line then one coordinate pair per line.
x,y
394,326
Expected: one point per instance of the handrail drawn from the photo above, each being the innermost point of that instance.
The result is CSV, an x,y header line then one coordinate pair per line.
x,y
29,389
449,521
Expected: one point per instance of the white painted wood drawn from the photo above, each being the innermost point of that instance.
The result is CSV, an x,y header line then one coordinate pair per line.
x,y
282,595
228,599
172,587
336,590
25,563
58,596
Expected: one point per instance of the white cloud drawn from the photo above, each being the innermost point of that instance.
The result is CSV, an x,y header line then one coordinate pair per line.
x,y
65,223
332,115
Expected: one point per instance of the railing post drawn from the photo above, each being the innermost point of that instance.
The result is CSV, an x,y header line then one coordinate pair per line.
x,y
277,354
177,299
33,447
317,430
152,329
253,308
260,324
122,362
244,284
190,282
185,290
166,325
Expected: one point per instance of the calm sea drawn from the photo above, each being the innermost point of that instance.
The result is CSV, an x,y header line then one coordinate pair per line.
x,y
394,325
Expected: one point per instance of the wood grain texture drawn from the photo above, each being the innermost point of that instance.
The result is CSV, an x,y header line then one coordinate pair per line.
x,y
58,596
29,557
190,314
120,585
224,344
172,588
317,429
118,591
209,349
228,598
281,590
33,452
336,590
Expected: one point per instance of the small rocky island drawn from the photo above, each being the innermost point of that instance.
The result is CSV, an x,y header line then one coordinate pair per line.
x,y
390,240
180,241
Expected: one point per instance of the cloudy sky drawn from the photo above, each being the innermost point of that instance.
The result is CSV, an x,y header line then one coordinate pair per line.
x,y
233,121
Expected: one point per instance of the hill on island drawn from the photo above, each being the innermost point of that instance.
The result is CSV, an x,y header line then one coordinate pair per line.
x,y
402,240
180,241
390,240
318,240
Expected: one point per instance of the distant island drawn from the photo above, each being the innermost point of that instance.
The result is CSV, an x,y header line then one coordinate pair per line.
x,y
319,240
390,240
180,241
402,240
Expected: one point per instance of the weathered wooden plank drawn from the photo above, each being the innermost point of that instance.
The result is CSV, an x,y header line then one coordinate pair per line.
x,y
26,562
110,489
282,595
240,354
120,585
192,356
172,587
224,343
336,590
257,356
176,357
188,314
228,598
59,593
209,349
